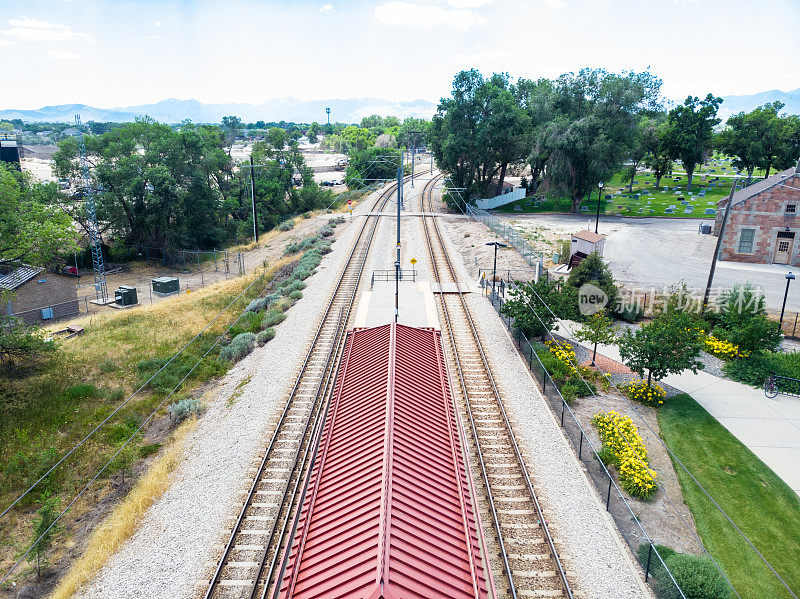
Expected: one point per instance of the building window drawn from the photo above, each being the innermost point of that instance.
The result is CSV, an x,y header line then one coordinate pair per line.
x,y
746,238
791,208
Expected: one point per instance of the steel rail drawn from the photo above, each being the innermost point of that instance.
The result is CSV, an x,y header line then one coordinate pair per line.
x,y
383,199
518,454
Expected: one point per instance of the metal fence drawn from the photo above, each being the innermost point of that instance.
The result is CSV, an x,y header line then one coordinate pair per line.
x,y
188,260
511,235
630,524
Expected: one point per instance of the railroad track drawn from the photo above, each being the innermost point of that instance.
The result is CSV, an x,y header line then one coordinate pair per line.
x,y
247,566
528,553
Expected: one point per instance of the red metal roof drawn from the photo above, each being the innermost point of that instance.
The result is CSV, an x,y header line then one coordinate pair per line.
x,y
387,512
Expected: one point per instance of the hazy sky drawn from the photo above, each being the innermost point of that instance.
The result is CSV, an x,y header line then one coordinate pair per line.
x,y
121,52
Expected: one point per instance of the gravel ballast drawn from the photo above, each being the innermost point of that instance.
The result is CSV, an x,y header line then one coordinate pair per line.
x,y
598,560
181,536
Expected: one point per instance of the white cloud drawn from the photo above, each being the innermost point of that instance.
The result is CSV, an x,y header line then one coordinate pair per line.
x,y
326,7
481,56
35,30
5,43
415,15
63,55
151,37
468,3
158,24
556,4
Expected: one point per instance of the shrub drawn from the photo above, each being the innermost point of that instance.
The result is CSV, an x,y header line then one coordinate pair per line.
x,y
649,395
249,322
656,567
107,366
697,577
627,452
325,231
296,295
323,248
81,391
757,367
286,225
721,348
309,261
181,410
237,349
272,317
265,336
629,313
306,215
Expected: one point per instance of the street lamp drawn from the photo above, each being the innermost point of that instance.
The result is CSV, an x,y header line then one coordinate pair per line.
x,y
496,244
599,196
789,279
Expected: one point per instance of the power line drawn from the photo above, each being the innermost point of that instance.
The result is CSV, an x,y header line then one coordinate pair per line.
x,y
671,453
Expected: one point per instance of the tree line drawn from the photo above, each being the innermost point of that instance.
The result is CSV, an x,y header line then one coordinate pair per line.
x,y
171,188
580,129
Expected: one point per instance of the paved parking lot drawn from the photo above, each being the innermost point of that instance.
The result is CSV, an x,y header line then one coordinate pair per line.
x,y
658,252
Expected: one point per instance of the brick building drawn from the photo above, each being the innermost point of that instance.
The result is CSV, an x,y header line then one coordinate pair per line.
x,y
764,221
38,295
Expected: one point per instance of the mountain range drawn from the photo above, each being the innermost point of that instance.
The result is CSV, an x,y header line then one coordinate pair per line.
x,y
350,110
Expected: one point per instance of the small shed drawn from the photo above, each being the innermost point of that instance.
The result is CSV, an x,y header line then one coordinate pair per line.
x,y
586,242
38,295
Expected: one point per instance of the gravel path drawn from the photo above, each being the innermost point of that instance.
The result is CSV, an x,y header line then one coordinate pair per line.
x,y
597,558
179,539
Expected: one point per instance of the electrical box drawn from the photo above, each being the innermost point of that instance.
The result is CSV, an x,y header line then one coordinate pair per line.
x,y
166,285
47,313
126,296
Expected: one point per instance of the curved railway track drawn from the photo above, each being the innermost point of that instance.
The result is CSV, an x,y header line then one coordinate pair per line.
x,y
247,566
531,564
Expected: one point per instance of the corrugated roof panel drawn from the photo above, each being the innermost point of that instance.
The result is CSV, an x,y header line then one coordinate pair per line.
x,y
388,511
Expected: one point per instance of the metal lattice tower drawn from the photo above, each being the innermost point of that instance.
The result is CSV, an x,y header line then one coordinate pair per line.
x,y
91,220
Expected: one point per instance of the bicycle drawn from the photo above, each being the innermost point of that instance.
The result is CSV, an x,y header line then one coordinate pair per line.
x,y
770,386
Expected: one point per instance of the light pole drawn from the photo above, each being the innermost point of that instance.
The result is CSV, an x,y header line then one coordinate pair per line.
x,y
789,279
599,197
494,268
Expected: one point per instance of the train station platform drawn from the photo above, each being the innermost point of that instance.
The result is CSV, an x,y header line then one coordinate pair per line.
x,y
417,306
388,510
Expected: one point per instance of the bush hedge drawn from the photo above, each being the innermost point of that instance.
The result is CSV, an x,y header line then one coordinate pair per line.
x,y
239,347
757,367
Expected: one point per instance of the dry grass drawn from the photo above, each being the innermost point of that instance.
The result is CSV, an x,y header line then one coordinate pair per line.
x,y
123,521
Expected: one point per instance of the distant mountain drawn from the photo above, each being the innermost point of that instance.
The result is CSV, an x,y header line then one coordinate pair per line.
x,y
350,110
735,104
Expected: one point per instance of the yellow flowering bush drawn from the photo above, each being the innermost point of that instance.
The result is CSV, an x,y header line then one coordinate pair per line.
x,y
649,395
722,348
564,352
624,448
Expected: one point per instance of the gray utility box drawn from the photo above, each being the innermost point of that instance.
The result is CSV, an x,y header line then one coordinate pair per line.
x,y
166,285
126,296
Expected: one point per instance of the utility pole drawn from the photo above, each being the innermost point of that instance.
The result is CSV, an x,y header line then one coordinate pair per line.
x,y
328,112
717,247
253,198
397,260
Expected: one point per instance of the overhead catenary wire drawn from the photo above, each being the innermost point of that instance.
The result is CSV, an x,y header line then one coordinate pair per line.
x,y
708,495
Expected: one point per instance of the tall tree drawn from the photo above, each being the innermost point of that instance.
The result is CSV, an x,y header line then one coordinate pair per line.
x,y
658,158
689,133
646,136
478,131
33,227
593,131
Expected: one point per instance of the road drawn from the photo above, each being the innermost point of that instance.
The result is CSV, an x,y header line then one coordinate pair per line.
x,y
655,253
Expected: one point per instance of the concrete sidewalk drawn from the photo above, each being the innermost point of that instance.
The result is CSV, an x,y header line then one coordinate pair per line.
x,y
770,428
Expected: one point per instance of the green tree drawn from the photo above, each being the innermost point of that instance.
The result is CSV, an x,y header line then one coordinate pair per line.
x,y
689,133
597,328
538,100
670,344
161,187
744,322
527,305
358,138
595,128
658,158
33,227
478,131
593,270
368,166
46,528
755,139
231,126
19,341
790,149
313,132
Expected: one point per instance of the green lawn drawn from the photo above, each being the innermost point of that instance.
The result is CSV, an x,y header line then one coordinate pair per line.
x,y
759,502
711,182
